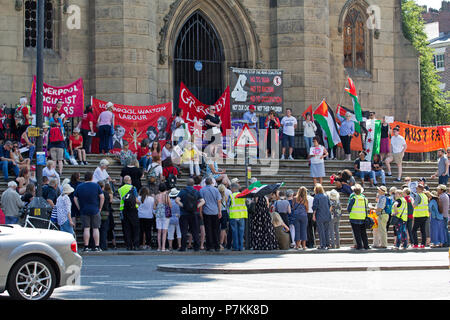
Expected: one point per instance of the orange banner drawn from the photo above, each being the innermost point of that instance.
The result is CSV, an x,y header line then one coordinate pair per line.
x,y
444,131
423,139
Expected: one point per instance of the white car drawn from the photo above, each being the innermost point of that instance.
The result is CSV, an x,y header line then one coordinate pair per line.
x,y
33,262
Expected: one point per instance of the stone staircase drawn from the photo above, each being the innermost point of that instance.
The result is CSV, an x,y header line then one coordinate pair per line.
x,y
294,173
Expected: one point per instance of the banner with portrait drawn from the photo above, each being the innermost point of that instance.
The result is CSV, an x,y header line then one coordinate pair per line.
x,y
136,123
194,111
262,88
71,94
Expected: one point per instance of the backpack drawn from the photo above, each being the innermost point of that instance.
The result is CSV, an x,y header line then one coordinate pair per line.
x,y
19,117
190,202
129,200
171,180
152,176
389,203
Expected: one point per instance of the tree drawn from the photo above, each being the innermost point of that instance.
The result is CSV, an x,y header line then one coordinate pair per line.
x,y
435,107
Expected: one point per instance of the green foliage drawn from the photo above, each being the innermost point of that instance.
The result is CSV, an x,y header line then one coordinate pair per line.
x,y
435,106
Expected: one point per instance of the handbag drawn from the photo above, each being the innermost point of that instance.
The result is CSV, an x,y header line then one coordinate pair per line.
x,y
368,222
396,220
168,211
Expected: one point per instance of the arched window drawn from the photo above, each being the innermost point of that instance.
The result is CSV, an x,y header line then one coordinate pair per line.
x,y
31,24
198,60
355,40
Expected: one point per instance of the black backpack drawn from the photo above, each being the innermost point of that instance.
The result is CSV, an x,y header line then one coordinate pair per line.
x,y
190,202
171,181
129,201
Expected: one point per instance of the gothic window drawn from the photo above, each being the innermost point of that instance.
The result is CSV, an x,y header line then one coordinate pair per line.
x,y
355,40
31,24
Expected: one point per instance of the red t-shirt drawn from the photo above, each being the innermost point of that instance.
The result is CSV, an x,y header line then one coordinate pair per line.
x,y
141,152
25,113
198,188
76,142
87,117
60,111
168,170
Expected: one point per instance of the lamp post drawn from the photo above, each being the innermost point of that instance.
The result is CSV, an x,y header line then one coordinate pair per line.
x,y
39,89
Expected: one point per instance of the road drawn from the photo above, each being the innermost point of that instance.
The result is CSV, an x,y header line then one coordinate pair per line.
x,y
136,277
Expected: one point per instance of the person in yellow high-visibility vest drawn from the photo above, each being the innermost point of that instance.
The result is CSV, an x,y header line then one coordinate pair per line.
x,y
357,207
400,210
238,214
129,216
420,215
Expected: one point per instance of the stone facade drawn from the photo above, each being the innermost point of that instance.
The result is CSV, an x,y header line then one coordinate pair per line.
x,y
124,50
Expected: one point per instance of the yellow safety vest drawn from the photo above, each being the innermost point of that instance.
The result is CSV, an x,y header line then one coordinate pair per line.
x,y
359,208
422,209
123,190
238,209
403,210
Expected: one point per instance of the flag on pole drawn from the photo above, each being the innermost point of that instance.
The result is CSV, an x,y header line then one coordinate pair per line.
x,y
325,117
373,138
341,111
309,110
356,106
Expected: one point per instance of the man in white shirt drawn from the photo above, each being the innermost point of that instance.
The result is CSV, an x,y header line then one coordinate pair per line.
x,y
397,151
289,124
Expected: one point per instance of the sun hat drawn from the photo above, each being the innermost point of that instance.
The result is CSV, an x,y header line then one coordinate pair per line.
x,y
104,162
235,180
442,187
333,194
383,188
67,189
358,186
174,192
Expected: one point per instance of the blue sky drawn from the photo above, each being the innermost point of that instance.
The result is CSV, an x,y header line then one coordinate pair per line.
x,y
436,4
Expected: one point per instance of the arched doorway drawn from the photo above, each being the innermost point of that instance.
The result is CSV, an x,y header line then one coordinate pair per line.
x,y
198,60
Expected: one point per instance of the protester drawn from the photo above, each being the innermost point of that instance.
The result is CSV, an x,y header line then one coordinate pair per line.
x,y
129,204
146,218
143,155
384,142
64,207
22,116
359,173
6,161
212,170
76,145
11,204
283,207
336,214
420,215
28,142
443,166
281,231
272,124
346,132
400,218
238,214
322,216
380,233
56,146
211,213
178,127
105,123
312,225
262,233
154,175
174,223
100,173
29,194
191,159
409,203
437,235
317,153
50,192
132,169
155,149
290,200
398,148
289,124
87,128
357,208
309,131
89,199
223,222
377,170
105,214
170,174
161,205
189,200
23,180
213,125
126,154
166,151
299,213
251,118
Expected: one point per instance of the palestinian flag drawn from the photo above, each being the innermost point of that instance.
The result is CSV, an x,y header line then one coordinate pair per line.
x,y
373,138
341,111
258,190
325,117
356,106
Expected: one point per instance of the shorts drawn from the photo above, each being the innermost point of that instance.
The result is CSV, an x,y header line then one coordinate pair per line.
x,y
91,221
224,221
287,141
162,223
172,228
398,157
57,154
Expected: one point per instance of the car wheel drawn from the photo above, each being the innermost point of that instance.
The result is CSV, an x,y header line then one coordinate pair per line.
x,y
32,278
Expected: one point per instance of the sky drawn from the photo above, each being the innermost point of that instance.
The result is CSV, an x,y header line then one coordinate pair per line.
x,y
436,4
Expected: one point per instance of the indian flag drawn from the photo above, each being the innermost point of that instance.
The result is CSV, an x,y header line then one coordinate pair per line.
x,y
373,138
356,106
325,117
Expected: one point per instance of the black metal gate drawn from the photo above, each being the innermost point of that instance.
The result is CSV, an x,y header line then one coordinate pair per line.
x,y
198,60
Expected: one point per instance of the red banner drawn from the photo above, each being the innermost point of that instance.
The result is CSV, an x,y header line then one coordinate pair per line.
x,y
194,111
444,131
72,95
134,124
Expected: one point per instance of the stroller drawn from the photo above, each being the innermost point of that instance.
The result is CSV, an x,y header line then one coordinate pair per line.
x,y
39,217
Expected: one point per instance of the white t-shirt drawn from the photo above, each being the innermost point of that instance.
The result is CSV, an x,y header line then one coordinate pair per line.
x,y
309,129
310,203
51,174
145,210
100,175
179,132
317,152
158,171
288,124
165,153
397,143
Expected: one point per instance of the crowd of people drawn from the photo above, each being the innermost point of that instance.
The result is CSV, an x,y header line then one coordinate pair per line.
x,y
206,213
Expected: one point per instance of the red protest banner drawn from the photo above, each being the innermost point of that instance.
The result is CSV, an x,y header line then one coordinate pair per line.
x,y
421,139
136,123
72,95
194,111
